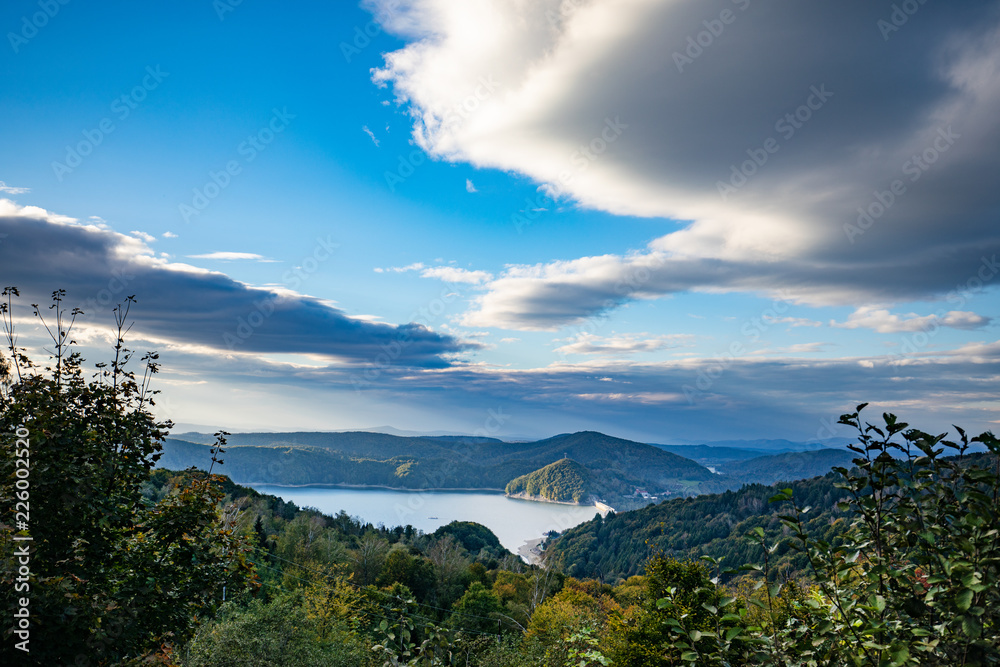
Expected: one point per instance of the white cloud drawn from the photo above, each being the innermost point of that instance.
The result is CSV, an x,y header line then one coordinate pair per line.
x,y
10,189
148,238
796,321
509,340
416,266
469,187
647,397
451,274
371,135
228,256
804,348
883,321
620,345
590,103
169,235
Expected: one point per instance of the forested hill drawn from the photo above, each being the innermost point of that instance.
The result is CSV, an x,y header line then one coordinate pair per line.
x,y
564,481
619,545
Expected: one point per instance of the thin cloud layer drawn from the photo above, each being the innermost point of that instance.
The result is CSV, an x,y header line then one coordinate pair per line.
x,y
227,256
867,177
656,402
449,274
621,345
882,321
188,305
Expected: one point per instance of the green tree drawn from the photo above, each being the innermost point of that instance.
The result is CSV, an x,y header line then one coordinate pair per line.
x,y
414,572
278,633
479,609
113,576
644,636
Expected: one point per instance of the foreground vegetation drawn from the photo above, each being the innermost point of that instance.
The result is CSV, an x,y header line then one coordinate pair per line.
x,y
136,566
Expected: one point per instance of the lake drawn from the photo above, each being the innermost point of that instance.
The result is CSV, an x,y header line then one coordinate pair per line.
x,y
512,520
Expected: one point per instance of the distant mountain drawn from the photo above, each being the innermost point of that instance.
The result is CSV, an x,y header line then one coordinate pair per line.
x,y
391,430
360,443
787,467
618,469
768,445
761,466
711,454
564,481
194,433
367,458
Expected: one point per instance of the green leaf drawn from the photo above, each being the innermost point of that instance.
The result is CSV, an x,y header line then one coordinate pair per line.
x,y
900,654
964,599
971,627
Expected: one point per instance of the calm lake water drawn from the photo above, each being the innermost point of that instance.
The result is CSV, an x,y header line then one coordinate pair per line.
x,y
513,521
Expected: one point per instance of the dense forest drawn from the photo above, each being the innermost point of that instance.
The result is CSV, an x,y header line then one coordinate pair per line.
x,y
893,561
616,547
564,481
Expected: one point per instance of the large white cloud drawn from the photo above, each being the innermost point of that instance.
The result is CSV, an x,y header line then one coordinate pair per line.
x,y
607,103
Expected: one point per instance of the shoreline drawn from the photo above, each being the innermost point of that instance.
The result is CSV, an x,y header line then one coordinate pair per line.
x,y
406,489
529,551
543,499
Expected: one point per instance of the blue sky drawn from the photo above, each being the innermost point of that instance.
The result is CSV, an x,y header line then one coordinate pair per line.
x,y
694,221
